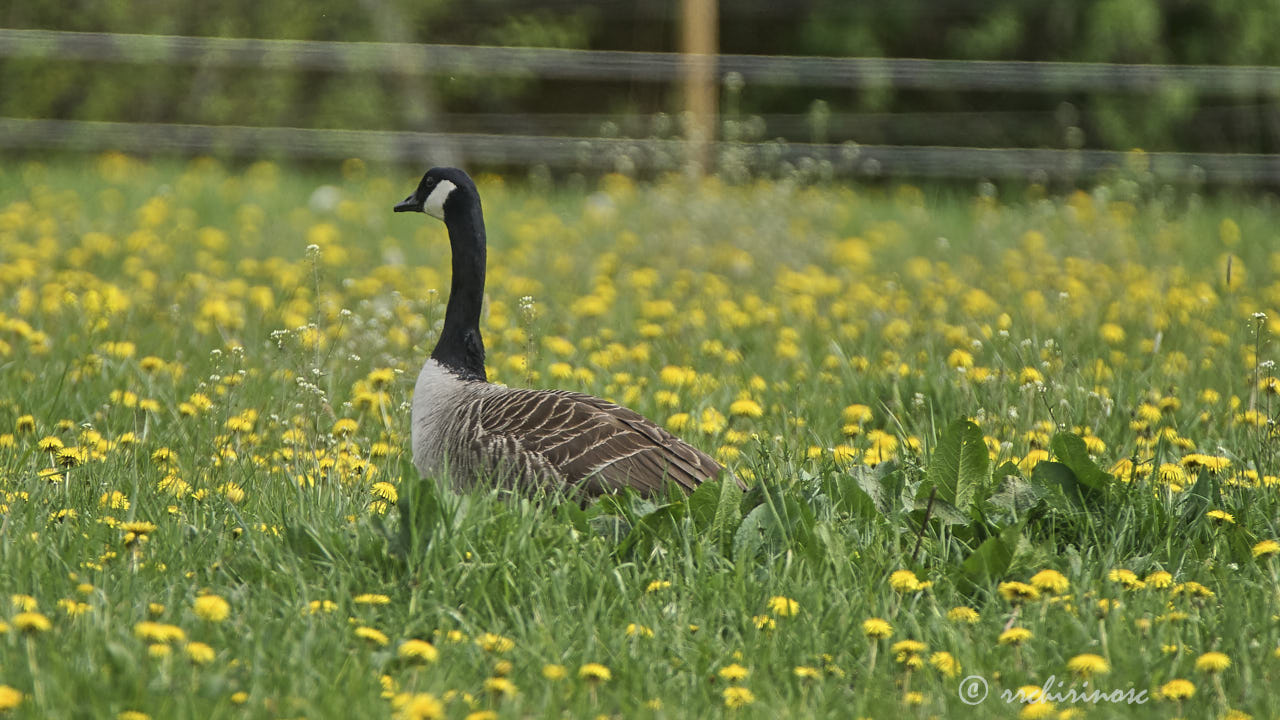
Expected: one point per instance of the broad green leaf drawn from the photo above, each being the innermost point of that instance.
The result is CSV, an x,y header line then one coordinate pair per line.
x,y
959,466
728,508
1071,451
661,525
751,533
613,528
993,557
1205,494
883,484
703,502
1058,485
849,497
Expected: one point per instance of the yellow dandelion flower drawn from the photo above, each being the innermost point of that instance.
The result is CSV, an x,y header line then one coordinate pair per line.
x,y
783,606
657,585
212,608
594,673
843,454
763,622
733,673
963,614
958,359
806,672
737,696
345,426
945,663
907,647
876,628
1017,592
1266,549
1038,711
1014,636
159,632
386,491
1177,689
491,642
1160,580
49,444
31,622
70,457
554,672
132,715
1050,581
1213,662
1030,376
634,630
200,653
746,408
73,608
9,698
904,581
371,599
377,637
418,706
1126,578
139,527
501,687
321,606
679,422
418,650
1111,333
231,491
1221,516
1088,664
115,500
1193,589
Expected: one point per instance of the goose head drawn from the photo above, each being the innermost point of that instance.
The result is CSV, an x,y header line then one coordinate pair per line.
x,y
441,190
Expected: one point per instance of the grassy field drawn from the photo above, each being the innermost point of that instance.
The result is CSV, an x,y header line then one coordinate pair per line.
x,y
990,444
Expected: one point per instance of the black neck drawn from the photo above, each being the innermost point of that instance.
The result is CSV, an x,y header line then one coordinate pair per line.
x,y
460,348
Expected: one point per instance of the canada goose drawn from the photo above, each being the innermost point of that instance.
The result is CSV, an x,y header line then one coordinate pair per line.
x,y
524,440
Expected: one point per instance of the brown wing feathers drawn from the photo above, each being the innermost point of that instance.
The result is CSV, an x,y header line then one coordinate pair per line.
x,y
587,442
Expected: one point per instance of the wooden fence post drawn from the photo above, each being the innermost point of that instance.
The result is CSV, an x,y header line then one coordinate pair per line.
x,y
699,43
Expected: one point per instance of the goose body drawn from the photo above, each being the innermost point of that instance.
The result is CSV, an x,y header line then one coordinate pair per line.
x,y
523,440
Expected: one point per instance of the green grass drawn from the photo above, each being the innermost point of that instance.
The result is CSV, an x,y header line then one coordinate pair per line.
x,y
133,293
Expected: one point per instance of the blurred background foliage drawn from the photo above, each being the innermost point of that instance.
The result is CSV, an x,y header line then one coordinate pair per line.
x,y
1230,32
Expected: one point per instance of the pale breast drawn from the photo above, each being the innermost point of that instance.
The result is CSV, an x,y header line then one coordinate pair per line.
x,y
438,398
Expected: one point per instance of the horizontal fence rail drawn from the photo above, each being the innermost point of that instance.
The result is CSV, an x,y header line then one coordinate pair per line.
x,y
551,140
612,65
612,153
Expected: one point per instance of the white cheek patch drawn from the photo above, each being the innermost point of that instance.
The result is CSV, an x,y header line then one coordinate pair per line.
x,y
434,205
